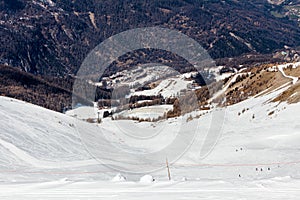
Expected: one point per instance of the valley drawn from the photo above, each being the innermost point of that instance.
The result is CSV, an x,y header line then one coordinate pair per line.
x,y
152,99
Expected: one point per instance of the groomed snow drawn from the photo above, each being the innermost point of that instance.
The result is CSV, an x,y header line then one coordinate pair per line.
x,y
275,189
256,157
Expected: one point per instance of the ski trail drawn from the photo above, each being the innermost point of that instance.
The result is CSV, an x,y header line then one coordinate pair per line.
x,y
220,92
44,164
281,67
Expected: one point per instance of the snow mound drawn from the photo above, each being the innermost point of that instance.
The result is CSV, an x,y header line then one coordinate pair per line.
x,y
119,178
147,179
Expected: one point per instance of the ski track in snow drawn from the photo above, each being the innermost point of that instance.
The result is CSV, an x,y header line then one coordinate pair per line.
x,y
281,69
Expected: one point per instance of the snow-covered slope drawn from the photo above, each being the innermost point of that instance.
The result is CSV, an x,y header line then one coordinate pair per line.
x,y
36,138
259,140
167,88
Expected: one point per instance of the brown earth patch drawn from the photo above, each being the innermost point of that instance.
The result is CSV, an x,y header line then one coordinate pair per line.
x,y
292,71
255,81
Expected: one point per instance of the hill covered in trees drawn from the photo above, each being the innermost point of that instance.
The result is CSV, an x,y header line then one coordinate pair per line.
x,y
53,37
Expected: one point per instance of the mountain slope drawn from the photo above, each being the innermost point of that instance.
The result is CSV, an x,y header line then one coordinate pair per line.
x,y
37,144
50,92
53,37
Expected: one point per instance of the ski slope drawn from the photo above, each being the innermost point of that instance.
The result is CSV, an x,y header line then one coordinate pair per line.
x,y
223,90
167,88
43,154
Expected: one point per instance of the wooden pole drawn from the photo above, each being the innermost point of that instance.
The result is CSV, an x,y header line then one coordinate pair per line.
x,y
169,174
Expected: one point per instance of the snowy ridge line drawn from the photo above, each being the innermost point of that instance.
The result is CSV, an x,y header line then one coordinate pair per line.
x,y
175,165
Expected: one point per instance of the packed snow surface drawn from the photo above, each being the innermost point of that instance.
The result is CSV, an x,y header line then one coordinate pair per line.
x,y
48,155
